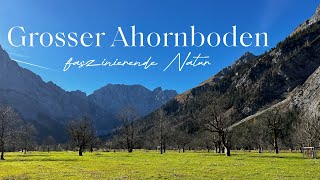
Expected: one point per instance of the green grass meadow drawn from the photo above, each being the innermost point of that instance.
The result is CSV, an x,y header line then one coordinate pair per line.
x,y
152,165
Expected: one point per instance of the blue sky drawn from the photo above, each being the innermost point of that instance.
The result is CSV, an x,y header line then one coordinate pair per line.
x,y
276,17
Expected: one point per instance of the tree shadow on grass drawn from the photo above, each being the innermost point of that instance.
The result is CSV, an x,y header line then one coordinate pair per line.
x,y
279,156
41,160
31,155
22,177
256,155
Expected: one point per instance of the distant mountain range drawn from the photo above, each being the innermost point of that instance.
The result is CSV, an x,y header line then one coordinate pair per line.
x,y
49,107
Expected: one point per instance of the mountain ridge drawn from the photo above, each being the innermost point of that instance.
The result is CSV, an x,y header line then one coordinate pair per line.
x,y
313,19
38,101
244,88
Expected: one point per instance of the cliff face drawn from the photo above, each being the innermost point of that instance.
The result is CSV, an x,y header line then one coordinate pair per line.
x,y
307,97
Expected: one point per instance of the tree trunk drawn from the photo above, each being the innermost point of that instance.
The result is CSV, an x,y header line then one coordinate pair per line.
x,y
227,148
276,148
2,151
2,155
80,151
183,148
128,145
301,149
228,153
260,149
130,150
161,137
226,145
222,149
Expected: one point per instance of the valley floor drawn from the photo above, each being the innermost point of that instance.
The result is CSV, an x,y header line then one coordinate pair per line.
x,y
152,165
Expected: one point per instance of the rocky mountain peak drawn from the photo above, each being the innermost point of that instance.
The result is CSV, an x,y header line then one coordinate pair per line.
x,y
248,56
79,94
315,18
318,11
157,90
52,85
118,96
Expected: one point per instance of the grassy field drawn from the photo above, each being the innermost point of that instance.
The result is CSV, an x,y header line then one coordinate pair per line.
x,y
151,165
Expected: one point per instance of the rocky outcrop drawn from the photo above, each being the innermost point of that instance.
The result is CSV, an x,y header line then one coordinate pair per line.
x,y
315,18
307,97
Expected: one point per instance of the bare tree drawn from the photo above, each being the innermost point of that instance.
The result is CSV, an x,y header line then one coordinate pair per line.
x,y
309,131
127,117
94,143
275,124
26,136
9,126
216,122
163,130
48,142
81,133
208,140
182,138
249,135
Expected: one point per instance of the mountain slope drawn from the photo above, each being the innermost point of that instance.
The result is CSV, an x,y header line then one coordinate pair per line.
x,y
36,100
305,98
49,107
247,87
30,95
113,98
116,97
246,58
